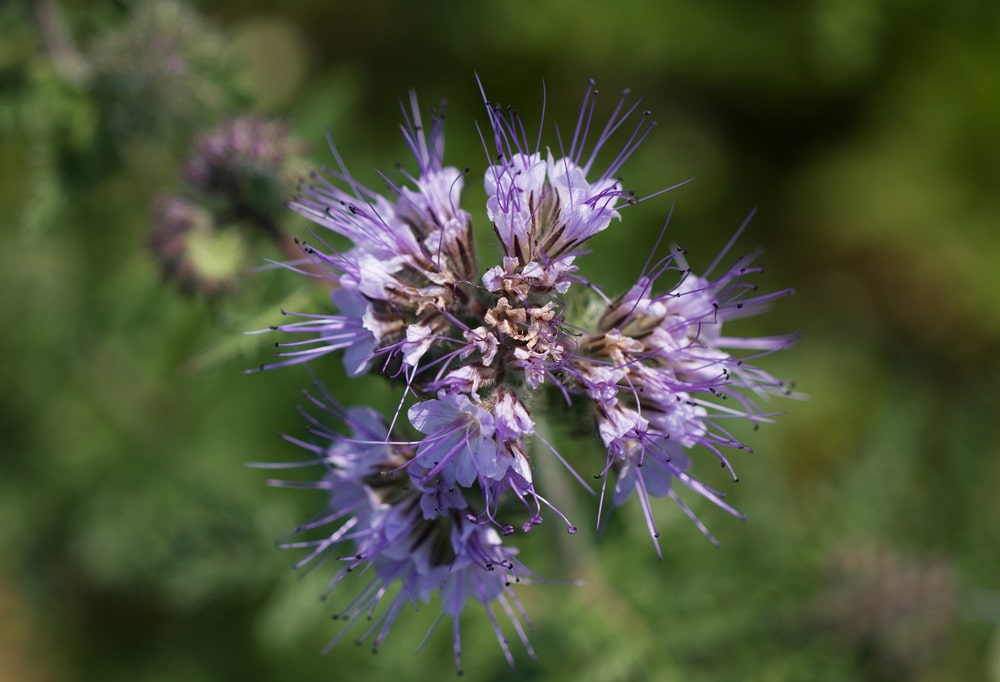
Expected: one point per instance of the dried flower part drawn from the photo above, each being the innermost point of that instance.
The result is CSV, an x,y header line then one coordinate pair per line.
x,y
473,350
192,251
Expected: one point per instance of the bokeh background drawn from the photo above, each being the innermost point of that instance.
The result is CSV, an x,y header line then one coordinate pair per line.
x,y
136,545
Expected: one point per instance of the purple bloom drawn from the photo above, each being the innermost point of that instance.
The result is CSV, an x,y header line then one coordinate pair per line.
x,y
226,158
479,355
672,368
395,527
544,209
459,443
348,332
193,250
409,264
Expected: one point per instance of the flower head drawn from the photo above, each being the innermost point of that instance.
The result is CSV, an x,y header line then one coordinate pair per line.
x,y
544,209
193,250
386,517
478,354
245,162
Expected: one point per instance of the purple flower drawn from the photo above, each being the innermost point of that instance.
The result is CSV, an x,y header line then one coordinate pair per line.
x,y
389,523
544,209
193,250
673,367
480,356
459,442
349,332
225,158
467,444
483,571
408,266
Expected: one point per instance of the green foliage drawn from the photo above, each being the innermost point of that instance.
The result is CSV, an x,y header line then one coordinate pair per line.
x,y
135,544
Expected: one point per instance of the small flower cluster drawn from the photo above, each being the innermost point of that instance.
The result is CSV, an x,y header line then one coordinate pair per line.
x,y
236,181
422,501
250,162
191,251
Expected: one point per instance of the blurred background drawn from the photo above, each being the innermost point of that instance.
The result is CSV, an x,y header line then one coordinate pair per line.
x,y
146,152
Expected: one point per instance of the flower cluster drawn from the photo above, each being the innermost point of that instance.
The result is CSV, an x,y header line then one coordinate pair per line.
x,y
236,181
422,500
249,163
